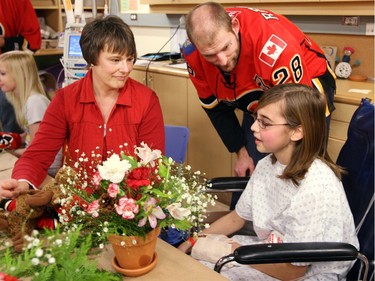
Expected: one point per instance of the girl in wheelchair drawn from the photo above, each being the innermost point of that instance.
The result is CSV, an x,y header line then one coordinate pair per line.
x,y
294,195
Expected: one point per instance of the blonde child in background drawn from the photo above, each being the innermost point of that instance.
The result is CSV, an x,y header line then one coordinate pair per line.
x,y
294,195
20,81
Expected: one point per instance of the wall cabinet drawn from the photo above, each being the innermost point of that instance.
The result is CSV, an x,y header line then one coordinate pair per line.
x,y
53,13
181,106
172,93
285,7
339,127
347,100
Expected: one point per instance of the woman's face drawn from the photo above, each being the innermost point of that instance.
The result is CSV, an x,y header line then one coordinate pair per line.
x,y
7,82
112,70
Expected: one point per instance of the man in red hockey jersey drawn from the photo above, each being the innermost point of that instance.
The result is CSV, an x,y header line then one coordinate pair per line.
x,y
19,26
234,55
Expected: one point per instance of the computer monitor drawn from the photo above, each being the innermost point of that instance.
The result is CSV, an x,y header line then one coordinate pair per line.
x,y
74,49
75,66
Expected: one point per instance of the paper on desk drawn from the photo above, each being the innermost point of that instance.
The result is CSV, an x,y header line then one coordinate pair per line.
x,y
360,91
178,65
147,62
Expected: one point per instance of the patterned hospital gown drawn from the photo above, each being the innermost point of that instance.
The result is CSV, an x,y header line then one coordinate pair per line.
x,y
316,211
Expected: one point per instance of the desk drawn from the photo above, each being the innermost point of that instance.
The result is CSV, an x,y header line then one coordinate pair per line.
x,y
7,161
172,265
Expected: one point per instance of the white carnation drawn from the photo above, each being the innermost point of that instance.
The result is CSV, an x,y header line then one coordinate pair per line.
x,y
114,169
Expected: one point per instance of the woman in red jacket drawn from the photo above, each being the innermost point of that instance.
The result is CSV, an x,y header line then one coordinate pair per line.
x,y
99,113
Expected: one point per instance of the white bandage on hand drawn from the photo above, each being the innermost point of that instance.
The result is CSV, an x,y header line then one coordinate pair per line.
x,y
212,247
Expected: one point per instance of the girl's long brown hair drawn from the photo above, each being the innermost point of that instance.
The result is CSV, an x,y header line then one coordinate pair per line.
x,y
306,107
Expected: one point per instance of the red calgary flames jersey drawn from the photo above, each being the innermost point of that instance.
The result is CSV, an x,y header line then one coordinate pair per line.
x,y
273,51
19,25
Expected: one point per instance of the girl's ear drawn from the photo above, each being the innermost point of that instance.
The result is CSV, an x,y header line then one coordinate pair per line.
x,y
297,134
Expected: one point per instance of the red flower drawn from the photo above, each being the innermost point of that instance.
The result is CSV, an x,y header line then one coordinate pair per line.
x,y
139,177
6,277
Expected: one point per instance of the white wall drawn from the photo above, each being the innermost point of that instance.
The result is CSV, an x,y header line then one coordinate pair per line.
x,y
151,39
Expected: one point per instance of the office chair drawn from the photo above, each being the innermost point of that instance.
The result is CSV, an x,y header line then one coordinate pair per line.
x,y
176,140
357,158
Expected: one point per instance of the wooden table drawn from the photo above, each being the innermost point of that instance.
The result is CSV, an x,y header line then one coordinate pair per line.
x,y
172,265
7,161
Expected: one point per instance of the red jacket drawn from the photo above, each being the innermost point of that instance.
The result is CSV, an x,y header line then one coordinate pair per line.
x,y
74,118
19,25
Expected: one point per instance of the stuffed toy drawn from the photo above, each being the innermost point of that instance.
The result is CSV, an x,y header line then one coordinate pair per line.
x,y
10,141
32,209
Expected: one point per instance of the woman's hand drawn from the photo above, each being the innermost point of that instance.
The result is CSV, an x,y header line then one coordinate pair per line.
x,y
10,188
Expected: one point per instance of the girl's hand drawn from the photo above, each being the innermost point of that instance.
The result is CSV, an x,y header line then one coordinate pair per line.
x,y
185,247
235,245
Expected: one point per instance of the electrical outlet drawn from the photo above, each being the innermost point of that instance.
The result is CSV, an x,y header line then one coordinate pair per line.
x,y
133,17
369,29
353,21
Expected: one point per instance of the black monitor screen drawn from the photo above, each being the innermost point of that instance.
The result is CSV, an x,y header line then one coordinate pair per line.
x,y
74,47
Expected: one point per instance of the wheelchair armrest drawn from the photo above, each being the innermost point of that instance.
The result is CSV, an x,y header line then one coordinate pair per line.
x,y
295,252
227,184
291,252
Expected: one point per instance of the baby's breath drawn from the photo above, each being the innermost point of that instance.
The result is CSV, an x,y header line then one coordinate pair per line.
x,y
154,190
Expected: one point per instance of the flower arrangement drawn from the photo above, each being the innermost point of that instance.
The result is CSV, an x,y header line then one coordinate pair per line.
x,y
128,194
131,195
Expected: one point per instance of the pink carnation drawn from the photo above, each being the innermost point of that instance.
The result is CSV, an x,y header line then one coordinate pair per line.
x,y
113,190
93,209
127,208
96,178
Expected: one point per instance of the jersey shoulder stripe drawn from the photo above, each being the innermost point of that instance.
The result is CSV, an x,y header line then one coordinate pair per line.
x,y
188,48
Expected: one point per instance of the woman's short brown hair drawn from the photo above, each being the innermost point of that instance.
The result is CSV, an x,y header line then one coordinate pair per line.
x,y
110,33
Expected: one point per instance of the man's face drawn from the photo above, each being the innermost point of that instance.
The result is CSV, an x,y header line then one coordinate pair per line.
x,y
223,51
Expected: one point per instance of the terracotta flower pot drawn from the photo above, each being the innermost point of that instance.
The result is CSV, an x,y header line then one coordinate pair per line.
x,y
134,254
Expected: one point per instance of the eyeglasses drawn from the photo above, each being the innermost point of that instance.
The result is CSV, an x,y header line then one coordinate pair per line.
x,y
264,125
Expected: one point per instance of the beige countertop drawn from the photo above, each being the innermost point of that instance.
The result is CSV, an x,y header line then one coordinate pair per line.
x,y
352,92
347,91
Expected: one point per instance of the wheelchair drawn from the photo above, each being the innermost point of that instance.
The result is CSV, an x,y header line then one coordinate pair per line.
x,y
357,158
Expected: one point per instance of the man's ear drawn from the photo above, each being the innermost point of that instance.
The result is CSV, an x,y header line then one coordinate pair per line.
x,y
297,134
236,25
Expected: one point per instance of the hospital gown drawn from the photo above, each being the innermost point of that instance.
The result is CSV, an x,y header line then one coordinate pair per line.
x,y
315,211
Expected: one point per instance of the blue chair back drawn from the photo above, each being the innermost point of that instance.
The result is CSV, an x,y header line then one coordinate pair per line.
x,y
176,140
357,157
